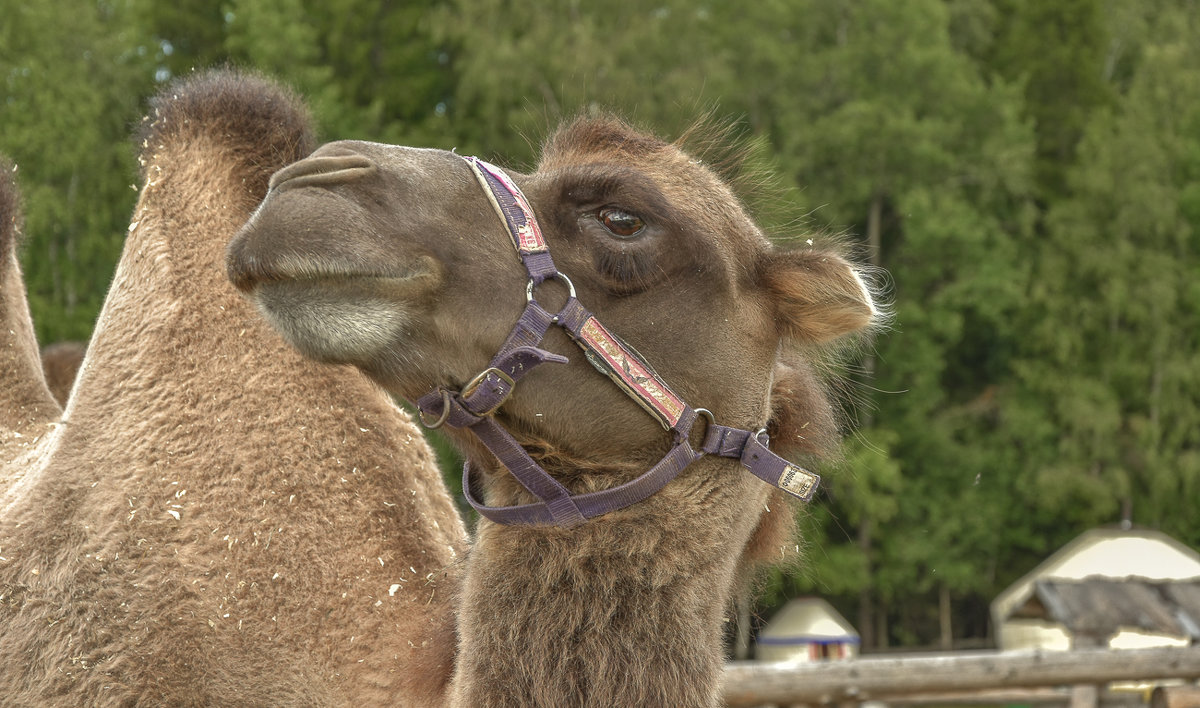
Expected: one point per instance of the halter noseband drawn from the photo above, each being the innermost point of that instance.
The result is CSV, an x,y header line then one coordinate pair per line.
x,y
473,406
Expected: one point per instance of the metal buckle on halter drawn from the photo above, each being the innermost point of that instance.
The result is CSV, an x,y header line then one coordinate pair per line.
x,y
474,384
710,422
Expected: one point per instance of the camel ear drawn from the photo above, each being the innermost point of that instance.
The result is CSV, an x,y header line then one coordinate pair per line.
x,y
818,295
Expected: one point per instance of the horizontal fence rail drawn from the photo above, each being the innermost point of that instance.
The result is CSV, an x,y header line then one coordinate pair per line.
x,y
887,678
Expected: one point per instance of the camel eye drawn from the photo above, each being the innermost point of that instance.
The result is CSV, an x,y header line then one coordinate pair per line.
x,y
619,223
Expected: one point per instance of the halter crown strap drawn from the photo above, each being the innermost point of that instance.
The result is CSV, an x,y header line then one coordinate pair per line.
x,y
473,406
514,210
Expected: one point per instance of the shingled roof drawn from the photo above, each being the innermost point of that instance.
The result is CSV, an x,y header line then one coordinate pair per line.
x,y
1100,607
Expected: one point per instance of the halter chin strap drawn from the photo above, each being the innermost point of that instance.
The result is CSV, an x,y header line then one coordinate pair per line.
x,y
473,406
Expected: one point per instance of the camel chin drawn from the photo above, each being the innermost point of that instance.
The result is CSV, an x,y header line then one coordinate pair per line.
x,y
347,321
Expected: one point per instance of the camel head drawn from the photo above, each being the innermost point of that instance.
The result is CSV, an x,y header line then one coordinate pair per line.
x,y
404,262
394,260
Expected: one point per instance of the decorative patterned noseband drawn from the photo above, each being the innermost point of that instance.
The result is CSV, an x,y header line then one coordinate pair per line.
x,y
473,406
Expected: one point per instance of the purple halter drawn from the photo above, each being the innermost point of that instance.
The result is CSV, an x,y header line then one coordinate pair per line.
x,y
473,406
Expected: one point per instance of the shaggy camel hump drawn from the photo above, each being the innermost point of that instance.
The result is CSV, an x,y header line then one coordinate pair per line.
x,y
27,409
222,522
262,125
10,210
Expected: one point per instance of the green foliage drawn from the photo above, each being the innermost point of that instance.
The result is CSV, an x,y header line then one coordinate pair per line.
x,y
370,70
183,35
74,73
1027,172
1061,52
1122,379
523,67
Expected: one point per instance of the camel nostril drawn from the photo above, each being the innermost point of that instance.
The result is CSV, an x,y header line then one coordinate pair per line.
x,y
323,170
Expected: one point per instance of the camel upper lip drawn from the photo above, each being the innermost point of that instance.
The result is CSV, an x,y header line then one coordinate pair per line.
x,y
248,270
246,274
323,170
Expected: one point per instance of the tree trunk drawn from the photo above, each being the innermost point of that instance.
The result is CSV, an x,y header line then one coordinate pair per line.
x,y
945,617
866,604
881,625
866,599
875,229
874,257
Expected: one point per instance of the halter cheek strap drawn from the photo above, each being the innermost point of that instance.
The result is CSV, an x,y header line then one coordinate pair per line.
x,y
473,406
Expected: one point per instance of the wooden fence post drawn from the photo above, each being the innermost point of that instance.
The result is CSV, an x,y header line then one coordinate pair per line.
x,y
1084,695
1175,697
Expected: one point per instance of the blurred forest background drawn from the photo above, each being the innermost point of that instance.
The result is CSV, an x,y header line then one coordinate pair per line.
x,y
1028,171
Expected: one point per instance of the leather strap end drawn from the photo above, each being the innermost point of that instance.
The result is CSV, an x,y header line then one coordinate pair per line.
x,y
778,472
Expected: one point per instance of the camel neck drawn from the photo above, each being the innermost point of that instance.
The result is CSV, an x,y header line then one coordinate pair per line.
x,y
624,610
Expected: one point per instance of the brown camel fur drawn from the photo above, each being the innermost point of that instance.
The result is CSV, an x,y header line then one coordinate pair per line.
x,y
392,259
217,521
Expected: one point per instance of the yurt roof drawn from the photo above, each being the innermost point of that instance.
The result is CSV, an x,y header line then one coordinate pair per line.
x,y
808,619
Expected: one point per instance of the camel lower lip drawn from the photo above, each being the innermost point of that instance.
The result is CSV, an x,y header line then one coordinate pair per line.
x,y
389,287
350,319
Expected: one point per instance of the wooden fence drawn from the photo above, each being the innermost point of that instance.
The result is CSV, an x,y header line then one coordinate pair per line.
x,y
899,679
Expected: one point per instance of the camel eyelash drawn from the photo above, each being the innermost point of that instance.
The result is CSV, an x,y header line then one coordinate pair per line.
x,y
595,186
629,266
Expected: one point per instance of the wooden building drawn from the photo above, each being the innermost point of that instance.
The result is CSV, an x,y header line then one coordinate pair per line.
x,y
1110,587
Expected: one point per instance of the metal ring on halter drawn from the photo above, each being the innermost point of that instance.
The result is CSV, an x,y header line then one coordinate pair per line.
x,y
560,276
442,419
708,416
760,434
